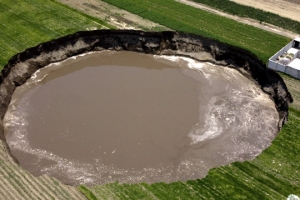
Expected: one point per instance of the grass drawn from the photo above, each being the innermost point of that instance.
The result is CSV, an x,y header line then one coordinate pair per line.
x,y
87,193
23,24
26,23
294,88
250,12
274,174
185,18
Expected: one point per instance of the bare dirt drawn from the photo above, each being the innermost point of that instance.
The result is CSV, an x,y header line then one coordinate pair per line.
x,y
285,8
113,15
126,20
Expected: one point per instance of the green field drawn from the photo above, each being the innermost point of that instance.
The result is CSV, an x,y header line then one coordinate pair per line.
x,y
250,12
272,175
23,24
26,23
185,18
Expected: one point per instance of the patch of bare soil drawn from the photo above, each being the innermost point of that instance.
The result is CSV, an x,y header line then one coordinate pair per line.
x,y
284,8
113,15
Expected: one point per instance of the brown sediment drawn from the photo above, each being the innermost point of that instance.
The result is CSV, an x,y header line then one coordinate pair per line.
x,y
136,118
124,109
23,65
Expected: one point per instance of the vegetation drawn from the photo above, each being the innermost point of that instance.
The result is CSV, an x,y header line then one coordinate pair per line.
x,y
294,88
250,12
274,174
26,23
23,24
87,193
185,18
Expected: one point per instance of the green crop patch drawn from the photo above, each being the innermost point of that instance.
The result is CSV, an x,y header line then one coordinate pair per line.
x,y
250,12
23,24
185,18
274,174
26,23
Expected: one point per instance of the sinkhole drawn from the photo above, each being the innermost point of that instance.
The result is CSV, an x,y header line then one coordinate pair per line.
x,y
122,116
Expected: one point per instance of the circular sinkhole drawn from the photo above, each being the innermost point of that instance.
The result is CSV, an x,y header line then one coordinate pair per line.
x,y
129,117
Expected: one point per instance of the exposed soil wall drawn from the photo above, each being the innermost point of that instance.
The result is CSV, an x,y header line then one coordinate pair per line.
x,y
21,66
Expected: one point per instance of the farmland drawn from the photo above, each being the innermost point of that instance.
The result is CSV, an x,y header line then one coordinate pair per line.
x,y
185,18
274,174
27,23
23,24
250,12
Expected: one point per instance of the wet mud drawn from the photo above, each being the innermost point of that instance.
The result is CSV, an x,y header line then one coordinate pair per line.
x,y
128,117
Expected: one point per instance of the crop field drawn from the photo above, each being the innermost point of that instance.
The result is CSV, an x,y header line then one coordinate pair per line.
x,y
23,24
185,18
16,183
29,22
274,174
250,12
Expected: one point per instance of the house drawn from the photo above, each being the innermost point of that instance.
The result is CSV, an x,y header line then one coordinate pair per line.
x,y
287,60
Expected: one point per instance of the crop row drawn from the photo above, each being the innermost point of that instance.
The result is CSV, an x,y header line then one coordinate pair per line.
x,y
26,23
185,18
275,174
29,22
18,184
250,12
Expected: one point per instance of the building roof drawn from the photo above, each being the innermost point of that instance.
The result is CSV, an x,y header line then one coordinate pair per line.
x,y
295,64
293,51
297,39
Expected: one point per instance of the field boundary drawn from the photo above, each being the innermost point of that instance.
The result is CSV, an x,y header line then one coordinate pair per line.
x,y
240,10
246,20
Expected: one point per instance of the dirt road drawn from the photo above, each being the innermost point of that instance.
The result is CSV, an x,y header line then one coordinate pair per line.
x,y
113,15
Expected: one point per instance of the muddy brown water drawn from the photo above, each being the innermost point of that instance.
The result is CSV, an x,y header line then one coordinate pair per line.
x,y
129,117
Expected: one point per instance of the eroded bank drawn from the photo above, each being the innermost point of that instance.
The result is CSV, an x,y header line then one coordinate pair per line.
x,y
23,65
130,117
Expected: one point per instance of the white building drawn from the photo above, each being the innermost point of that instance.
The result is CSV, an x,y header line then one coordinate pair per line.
x,y
287,60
